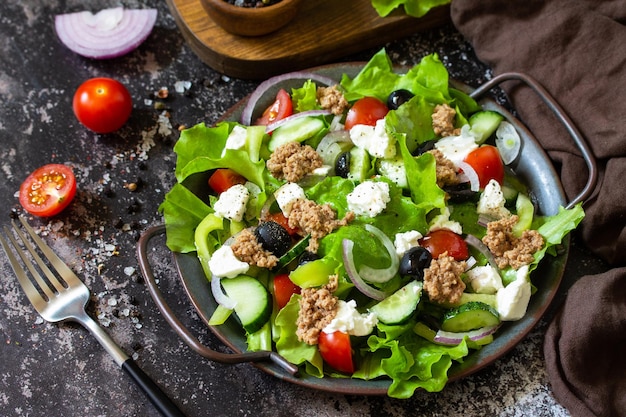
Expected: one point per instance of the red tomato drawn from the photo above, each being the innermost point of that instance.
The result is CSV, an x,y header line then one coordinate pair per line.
x,y
487,163
102,104
280,109
48,190
336,351
366,111
224,178
280,218
284,289
442,240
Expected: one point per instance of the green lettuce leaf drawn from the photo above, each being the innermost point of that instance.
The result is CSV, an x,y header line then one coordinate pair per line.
x,y
415,8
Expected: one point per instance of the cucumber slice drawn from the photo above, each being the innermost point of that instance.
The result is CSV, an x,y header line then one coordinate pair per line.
x,y
295,251
254,304
297,130
470,316
394,170
360,165
484,124
399,306
525,211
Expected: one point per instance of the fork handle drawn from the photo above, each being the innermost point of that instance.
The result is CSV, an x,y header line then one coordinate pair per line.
x,y
156,396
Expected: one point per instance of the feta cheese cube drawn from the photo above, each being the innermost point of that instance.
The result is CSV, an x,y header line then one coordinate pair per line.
x,y
232,203
287,194
512,300
484,279
492,201
374,139
349,320
237,138
369,198
442,221
224,263
456,148
406,240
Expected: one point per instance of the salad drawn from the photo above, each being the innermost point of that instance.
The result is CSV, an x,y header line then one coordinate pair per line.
x,y
367,227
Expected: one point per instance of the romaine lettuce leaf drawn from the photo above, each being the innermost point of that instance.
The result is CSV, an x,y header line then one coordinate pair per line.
x,y
415,8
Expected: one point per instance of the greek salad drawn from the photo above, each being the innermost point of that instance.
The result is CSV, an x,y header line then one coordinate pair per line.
x,y
368,227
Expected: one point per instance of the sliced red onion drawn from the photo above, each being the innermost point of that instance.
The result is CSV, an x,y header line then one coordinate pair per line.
x,y
508,142
470,174
381,275
220,296
453,339
107,34
275,125
328,147
248,110
348,261
476,243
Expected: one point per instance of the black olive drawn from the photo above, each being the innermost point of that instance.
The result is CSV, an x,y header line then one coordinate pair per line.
x,y
414,261
307,256
273,238
424,147
461,193
398,98
342,165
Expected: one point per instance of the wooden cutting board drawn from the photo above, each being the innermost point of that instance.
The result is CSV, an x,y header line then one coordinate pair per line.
x,y
323,31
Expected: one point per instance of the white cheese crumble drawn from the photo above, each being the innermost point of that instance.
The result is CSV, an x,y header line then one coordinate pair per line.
x,y
456,148
224,263
512,300
491,202
484,279
374,139
349,320
442,221
405,241
369,198
237,138
287,194
232,203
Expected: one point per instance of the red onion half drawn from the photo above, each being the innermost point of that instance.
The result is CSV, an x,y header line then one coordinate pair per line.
x,y
107,34
359,283
449,338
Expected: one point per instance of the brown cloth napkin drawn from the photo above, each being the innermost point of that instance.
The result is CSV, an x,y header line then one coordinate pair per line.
x,y
577,50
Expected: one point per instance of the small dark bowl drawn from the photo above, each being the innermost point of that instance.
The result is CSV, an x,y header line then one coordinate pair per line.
x,y
251,21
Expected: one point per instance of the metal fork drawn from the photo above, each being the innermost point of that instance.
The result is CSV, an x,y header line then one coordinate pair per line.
x,y
63,296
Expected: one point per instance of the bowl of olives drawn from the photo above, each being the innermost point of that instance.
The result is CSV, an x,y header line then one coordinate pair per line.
x,y
251,17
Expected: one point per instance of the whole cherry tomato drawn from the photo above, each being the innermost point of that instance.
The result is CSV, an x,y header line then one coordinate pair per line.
x,y
48,190
281,108
443,240
336,351
284,289
487,163
102,105
365,111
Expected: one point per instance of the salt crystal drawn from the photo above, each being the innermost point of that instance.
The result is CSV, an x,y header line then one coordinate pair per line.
x,y
129,270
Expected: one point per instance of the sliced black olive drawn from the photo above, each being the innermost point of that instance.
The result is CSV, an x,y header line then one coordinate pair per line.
x,y
424,147
273,238
414,261
461,193
307,256
342,165
398,98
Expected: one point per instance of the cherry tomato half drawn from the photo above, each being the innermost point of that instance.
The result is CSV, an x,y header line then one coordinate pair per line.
x,y
336,351
443,240
366,111
281,108
48,190
224,178
284,289
487,163
102,105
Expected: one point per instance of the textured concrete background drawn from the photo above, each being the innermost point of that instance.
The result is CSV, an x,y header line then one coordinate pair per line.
x,y
60,370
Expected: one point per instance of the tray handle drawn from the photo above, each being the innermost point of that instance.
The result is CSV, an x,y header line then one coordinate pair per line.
x,y
558,111
182,331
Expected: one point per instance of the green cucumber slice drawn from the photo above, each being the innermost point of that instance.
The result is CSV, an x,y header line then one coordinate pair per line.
x,y
297,130
484,124
254,303
399,306
470,316
360,165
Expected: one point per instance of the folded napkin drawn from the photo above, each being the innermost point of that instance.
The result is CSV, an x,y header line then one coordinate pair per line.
x,y
577,50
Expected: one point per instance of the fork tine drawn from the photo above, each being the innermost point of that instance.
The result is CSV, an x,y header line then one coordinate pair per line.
x,y
61,267
31,291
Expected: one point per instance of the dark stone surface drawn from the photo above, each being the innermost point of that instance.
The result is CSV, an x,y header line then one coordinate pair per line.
x,y
60,370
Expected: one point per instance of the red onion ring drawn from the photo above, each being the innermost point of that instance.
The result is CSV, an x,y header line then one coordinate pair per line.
x,y
359,283
483,249
107,34
385,274
275,125
220,296
248,110
471,175
453,339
